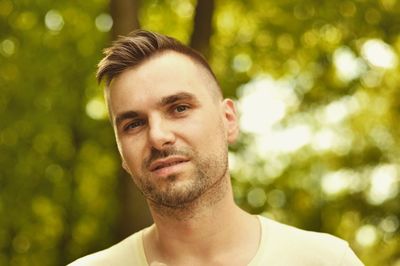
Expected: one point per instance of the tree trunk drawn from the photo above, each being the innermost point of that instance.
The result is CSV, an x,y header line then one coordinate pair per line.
x,y
125,16
134,214
202,28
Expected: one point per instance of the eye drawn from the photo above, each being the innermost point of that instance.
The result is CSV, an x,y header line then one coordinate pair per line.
x,y
181,108
134,124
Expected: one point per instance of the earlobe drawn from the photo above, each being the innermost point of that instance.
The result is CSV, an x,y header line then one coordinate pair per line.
x,y
231,120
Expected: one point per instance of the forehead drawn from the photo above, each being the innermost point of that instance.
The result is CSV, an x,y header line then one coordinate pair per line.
x,y
157,77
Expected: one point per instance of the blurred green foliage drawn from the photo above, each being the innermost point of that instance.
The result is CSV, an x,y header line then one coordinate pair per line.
x,y
329,162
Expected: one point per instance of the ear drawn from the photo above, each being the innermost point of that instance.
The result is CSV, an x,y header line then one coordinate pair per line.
x,y
231,120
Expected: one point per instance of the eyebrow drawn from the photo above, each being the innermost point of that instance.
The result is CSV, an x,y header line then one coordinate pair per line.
x,y
125,115
167,100
180,96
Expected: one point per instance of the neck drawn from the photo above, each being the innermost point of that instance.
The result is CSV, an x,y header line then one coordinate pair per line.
x,y
202,228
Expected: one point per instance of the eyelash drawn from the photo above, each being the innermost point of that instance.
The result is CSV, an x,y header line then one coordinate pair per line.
x,y
175,108
128,126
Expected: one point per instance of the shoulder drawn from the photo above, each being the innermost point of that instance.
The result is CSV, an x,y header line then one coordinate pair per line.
x,y
283,232
128,250
311,248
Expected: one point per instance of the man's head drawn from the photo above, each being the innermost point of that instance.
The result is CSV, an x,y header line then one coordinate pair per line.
x,y
171,126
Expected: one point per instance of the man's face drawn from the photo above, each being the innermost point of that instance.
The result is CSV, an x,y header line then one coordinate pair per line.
x,y
172,129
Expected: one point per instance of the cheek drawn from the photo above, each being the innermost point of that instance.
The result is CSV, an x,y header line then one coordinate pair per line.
x,y
206,132
131,153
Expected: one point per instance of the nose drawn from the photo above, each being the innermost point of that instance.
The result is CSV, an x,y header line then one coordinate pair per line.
x,y
160,134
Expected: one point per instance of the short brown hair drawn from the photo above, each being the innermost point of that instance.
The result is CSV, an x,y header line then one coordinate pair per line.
x,y
138,46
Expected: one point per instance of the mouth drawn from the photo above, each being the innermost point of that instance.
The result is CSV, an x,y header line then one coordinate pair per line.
x,y
167,162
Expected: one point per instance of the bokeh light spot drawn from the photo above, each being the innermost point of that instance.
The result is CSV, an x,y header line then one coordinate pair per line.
x,y
104,22
336,182
276,198
182,8
242,63
26,21
310,38
263,103
347,9
379,54
54,21
331,34
21,243
226,21
96,109
285,43
7,47
286,140
384,184
54,172
372,16
256,197
366,235
324,139
390,224
347,65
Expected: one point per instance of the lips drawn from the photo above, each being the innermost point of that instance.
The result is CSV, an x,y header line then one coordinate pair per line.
x,y
167,162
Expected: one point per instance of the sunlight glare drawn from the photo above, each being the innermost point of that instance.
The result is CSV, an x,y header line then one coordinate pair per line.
x,y
324,139
337,111
379,54
348,66
284,141
384,184
336,182
263,103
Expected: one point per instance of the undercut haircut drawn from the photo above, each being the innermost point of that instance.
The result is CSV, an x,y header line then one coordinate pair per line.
x,y
130,51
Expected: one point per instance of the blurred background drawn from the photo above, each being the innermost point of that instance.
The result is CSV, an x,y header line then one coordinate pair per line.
x,y
317,84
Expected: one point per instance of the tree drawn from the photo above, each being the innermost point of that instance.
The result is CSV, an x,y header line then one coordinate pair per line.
x,y
319,77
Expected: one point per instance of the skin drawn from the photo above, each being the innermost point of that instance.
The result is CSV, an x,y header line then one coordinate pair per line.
x,y
172,131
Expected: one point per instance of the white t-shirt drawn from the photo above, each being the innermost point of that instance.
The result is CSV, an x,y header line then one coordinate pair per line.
x,y
280,245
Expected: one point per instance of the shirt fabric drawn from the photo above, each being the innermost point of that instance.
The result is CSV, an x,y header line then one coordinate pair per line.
x,y
280,245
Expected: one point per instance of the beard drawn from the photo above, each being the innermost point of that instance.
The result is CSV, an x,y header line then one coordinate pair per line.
x,y
180,190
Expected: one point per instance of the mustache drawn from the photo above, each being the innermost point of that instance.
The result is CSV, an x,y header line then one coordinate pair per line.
x,y
160,154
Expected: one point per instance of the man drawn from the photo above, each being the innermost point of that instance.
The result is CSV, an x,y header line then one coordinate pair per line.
x,y
173,128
